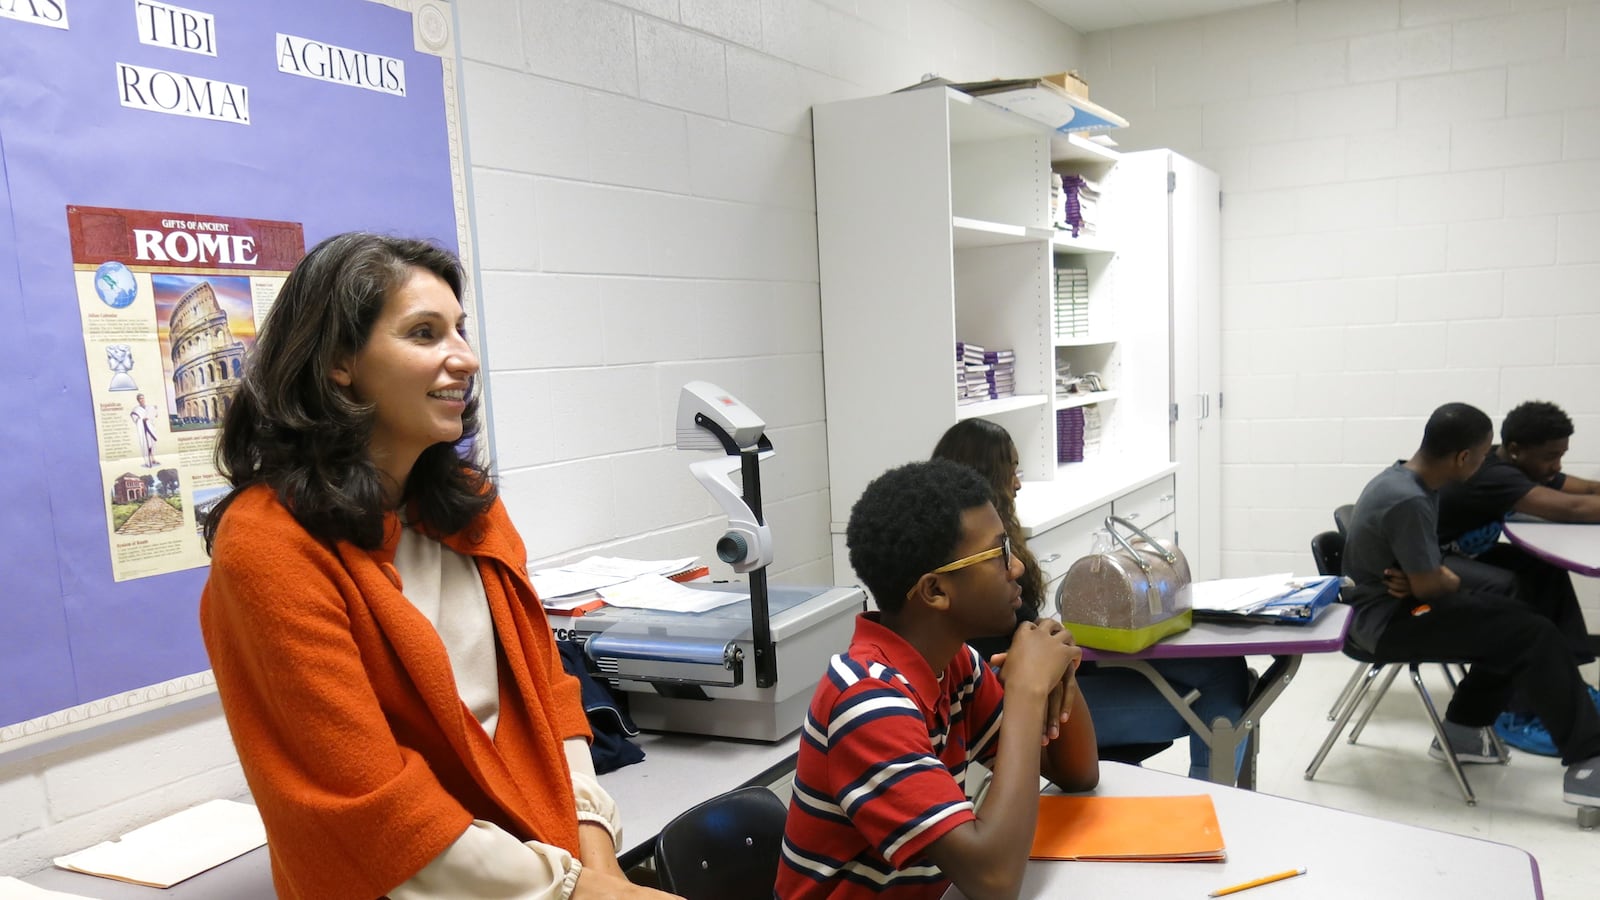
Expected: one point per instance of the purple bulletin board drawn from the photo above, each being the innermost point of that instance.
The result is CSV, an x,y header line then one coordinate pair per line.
x,y
193,107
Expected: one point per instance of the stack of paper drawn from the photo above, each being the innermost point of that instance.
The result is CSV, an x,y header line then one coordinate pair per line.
x,y
1091,432
1136,829
656,592
572,587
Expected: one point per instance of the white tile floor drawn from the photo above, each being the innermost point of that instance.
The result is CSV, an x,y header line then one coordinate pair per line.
x,y
1390,775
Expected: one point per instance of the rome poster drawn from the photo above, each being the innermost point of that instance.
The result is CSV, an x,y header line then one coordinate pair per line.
x,y
170,303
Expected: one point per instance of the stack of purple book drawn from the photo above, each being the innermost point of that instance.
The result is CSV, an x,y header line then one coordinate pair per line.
x,y
1069,435
1000,372
971,385
1082,202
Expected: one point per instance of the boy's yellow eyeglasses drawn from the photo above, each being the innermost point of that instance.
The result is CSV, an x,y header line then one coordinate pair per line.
x,y
1003,551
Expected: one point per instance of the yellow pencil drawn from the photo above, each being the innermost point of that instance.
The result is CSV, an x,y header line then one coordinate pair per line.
x,y
1257,883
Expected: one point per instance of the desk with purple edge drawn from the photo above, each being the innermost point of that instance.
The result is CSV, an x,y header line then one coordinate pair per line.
x,y
1575,548
1284,643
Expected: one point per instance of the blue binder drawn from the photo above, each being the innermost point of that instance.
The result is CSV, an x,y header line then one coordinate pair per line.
x,y
1300,604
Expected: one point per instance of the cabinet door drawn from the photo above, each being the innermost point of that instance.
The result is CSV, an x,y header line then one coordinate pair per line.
x,y
1196,347
1063,545
1148,504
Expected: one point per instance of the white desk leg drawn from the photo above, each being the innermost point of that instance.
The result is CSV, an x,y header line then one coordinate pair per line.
x,y
1222,736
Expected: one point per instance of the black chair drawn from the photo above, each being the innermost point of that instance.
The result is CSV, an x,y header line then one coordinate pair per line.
x,y
1327,549
1341,517
725,848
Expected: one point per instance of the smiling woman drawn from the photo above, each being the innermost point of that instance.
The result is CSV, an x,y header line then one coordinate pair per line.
x,y
415,372
367,587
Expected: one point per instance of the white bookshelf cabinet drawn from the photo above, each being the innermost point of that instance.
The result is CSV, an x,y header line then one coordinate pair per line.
x,y
933,223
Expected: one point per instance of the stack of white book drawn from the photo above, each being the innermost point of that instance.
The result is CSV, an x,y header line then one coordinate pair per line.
x,y
1072,302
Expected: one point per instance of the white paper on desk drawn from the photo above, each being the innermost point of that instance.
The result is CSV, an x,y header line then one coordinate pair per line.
x,y
1236,594
16,889
570,602
552,584
658,592
597,572
180,846
630,568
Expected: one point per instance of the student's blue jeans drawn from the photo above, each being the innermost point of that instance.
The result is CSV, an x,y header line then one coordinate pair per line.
x,y
1127,709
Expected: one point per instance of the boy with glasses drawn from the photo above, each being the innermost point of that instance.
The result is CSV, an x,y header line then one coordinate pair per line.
x,y
880,804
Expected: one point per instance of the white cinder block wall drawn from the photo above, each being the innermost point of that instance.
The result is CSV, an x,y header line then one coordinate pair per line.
x,y
1411,216
646,216
644,200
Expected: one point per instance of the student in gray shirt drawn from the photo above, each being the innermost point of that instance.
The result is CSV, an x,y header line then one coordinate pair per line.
x,y
1409,605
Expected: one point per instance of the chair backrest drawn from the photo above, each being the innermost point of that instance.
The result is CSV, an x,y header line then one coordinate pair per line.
x,y
1341,517
1327,549
724,849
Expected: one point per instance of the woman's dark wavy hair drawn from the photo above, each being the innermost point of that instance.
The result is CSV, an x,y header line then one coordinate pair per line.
x,y
988,448
907,523
293,429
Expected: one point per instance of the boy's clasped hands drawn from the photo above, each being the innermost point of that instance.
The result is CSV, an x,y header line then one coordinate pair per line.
x,y
1043,659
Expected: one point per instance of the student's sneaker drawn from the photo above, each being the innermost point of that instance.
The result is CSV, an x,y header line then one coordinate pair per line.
x,y
1594,696
1468,744
1581,786
1525,733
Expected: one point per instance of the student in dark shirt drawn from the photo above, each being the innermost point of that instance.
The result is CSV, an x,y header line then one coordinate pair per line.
x,y
1523,475
1410,604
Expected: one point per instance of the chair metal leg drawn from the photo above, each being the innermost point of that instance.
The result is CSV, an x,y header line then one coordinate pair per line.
x,y
1361,723
1450,675
1588,817
1444,742
1371,672
1344,695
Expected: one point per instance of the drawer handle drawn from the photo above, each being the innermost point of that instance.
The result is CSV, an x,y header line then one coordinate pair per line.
x,y
1131,516
1049,559
1165,498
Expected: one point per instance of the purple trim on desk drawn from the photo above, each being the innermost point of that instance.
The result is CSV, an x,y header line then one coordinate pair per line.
x,y
1549,557
1206,639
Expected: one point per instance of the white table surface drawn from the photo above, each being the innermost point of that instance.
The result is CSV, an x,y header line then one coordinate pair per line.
x,y
1347,856
1570,546
681,770
678,772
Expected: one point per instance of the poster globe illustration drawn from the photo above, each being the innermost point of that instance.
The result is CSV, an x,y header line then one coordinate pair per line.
x,y
114,282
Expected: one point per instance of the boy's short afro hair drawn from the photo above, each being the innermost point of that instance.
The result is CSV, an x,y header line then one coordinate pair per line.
x,y
1535,422
907,523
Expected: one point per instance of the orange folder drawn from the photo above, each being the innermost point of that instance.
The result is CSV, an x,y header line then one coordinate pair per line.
x,y
1139,829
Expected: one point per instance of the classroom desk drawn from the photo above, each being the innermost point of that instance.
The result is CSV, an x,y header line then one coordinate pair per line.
x,y
1573,547
1284,643
678,772
1347,856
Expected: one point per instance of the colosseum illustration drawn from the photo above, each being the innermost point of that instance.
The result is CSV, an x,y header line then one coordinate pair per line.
x,y
207,360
